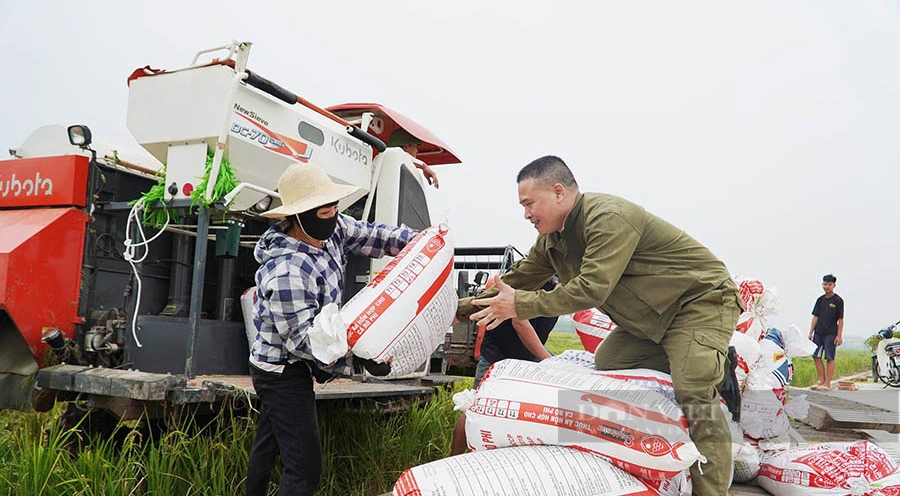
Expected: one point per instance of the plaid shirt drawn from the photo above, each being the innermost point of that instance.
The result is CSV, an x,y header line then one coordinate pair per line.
x,y
296,280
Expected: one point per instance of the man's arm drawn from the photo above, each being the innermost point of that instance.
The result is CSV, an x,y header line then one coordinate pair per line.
x,y
610,242
812,326
530,339
529,274
840,324
429,174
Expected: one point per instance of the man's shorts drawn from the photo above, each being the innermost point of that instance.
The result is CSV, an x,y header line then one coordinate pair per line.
x,y
824,345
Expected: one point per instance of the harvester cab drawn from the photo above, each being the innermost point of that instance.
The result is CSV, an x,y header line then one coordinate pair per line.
x,y
77,269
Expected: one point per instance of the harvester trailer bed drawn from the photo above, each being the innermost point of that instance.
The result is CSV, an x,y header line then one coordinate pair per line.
x,y
129,394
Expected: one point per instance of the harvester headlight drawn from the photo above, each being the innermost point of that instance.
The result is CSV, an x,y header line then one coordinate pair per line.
x,y
79,135
54,337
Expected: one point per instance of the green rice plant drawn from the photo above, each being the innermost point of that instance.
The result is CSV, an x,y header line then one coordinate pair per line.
x,y
366,451
156,216
163,466
39,462
215,467
106,469
199,456
225,182
8,422
192,458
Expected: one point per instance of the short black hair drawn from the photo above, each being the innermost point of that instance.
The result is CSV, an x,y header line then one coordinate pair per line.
x,y
829,278
549,169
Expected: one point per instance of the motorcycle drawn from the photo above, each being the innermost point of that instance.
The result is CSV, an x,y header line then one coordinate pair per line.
x,y
886,357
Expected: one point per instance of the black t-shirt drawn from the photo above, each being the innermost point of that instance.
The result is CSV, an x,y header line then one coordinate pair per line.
x,y
829,311
503,342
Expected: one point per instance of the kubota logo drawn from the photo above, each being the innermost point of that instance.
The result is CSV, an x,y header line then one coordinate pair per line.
x,y
342,147
28,187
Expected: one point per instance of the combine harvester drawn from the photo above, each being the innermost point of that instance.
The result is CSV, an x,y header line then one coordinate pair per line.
x,y
93,308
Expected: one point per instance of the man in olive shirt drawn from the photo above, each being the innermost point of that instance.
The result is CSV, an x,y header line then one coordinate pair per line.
x,y
673,298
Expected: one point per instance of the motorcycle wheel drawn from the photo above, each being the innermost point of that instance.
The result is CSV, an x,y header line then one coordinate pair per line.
x,y
894,380
875,375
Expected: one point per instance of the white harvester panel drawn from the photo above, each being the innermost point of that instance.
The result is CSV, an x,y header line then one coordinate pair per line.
x,y
265,135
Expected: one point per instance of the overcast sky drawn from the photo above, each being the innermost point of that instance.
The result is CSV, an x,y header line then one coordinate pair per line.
x,y
768,130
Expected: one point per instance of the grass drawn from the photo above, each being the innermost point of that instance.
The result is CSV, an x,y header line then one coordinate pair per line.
x,y
559,342
847,363
365,449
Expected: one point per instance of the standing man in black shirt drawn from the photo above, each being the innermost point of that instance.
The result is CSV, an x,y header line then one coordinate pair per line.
x,y
826,331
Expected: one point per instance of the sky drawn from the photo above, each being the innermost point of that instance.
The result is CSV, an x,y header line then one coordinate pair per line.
x,y
767,130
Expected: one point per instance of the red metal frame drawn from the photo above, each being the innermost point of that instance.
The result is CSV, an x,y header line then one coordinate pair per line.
x,y
40,270
41,249
44,182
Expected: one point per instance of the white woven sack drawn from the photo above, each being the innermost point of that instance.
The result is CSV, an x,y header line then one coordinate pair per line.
x,y
580,359
680,485
762,401
592,327
752,325
747,350
762,407
746,457
855,468
520,471
404,313
583,361
747,461
796,343
524,403
654,380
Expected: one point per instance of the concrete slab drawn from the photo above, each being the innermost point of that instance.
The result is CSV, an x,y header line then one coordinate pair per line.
x,y
886,399
868,392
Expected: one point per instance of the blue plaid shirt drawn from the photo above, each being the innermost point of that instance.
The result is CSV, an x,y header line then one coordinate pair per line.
x,y
296,280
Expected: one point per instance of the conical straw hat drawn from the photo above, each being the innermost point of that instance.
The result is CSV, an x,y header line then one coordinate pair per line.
x,y
303,187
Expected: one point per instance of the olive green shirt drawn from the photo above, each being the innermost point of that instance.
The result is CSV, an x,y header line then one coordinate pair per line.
x,y
614,255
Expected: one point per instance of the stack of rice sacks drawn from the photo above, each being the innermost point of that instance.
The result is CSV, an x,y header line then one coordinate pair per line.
x,y
857,468
764,371
557,419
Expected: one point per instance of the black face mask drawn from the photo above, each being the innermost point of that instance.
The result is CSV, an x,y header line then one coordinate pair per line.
x,y
317,228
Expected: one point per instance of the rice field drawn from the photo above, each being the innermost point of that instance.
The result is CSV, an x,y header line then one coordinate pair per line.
x,y
366,451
